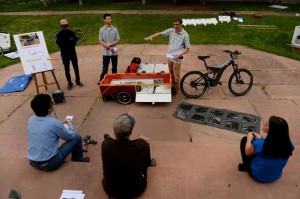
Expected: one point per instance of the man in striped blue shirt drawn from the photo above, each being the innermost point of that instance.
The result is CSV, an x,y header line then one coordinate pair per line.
x,y
179,45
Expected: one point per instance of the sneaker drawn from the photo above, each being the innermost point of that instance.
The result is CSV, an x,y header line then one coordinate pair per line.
x,y
14,194
106,136
85,159
242,167
70,87
80,84
153,163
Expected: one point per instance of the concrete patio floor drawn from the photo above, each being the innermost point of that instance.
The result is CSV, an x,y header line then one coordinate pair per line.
x,y
194,161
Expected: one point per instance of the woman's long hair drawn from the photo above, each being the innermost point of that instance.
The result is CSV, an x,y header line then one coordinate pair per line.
x,y
277,143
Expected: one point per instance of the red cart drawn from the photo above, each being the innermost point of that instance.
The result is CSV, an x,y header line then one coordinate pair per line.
x,y
124,87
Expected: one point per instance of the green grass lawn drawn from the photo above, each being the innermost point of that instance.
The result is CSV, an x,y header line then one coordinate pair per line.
x,y
133,28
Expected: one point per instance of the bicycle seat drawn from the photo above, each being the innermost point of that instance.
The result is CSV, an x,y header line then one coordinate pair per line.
x,y
203,57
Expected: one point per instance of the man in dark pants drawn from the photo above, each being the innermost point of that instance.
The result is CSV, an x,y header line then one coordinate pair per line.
x,y
66,40
109,38
125,161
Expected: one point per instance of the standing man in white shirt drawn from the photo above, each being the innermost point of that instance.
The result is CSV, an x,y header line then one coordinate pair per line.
x,y
178,40
109,38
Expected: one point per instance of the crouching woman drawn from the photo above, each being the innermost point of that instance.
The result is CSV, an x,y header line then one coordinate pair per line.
x,y
264,159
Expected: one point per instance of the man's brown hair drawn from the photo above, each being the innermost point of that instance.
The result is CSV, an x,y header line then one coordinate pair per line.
x,y
178,20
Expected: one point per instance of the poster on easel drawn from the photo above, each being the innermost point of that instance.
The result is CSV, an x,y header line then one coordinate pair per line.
x,y
33,52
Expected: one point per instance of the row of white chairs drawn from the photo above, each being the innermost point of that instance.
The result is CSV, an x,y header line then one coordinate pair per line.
x,y
205,21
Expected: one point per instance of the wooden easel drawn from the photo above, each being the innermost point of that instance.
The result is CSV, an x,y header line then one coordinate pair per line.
x,y
46,83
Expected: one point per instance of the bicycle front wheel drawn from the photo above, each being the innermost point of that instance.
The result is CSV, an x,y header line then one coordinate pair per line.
x,y
1,51
80,36
55,37
240,82
193,84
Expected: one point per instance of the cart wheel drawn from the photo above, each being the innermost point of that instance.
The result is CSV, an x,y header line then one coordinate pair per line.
x,y
124,97
1,51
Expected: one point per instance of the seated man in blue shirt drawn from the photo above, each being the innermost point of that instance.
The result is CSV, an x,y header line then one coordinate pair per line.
x,y
44,132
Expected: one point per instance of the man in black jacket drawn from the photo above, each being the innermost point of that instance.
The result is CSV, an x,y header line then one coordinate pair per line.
x,y
66,40
125,161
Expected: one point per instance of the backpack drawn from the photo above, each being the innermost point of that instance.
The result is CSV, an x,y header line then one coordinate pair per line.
x,y
134,65
136,60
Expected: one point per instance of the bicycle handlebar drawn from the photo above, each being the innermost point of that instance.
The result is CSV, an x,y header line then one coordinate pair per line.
x,y
234,52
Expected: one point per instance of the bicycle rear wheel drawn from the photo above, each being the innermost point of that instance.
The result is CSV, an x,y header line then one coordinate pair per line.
x,y
240,82
55,36
193,84
1,51
80,36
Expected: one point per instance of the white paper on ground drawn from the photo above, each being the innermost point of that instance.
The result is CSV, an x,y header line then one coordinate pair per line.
x,y
72,194
12,55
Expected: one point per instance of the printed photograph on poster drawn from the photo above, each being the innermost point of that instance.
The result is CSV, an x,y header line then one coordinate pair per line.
x,y
33,52
29,39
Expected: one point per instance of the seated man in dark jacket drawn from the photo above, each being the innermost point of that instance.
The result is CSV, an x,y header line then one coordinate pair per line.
x,y
125,161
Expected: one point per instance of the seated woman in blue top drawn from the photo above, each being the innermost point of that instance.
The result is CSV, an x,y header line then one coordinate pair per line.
x,y
264,159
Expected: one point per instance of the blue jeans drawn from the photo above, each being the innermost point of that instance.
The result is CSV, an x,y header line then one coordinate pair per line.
x,y
247,160
114,63
73,146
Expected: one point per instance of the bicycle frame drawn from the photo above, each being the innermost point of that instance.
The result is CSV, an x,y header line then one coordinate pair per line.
x,y
218,71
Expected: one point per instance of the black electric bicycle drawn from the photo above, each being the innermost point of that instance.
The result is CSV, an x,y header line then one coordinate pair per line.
x,y
194,83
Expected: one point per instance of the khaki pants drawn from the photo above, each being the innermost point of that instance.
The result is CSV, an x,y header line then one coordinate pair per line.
x,y
174,69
